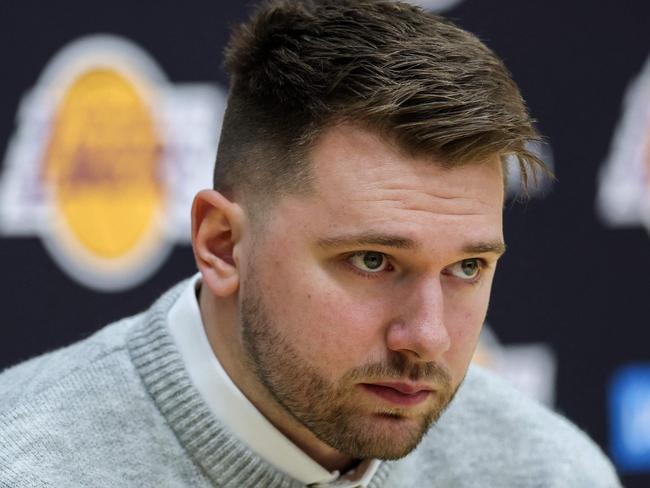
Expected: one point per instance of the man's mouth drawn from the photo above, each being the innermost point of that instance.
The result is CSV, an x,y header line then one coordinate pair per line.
x,y
399,394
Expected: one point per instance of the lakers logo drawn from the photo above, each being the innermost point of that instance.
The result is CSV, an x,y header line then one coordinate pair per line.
x,y
112,178
102,166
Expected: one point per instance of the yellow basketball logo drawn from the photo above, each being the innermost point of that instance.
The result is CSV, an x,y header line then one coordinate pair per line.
x,y
105,160
102,164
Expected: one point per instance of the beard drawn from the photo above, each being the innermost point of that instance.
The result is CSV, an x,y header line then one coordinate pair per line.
x,y
332,411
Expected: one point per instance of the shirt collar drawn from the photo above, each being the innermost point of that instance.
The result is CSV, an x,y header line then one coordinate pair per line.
x,y
234,410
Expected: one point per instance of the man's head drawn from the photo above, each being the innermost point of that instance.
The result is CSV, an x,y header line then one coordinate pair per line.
x,y
348,256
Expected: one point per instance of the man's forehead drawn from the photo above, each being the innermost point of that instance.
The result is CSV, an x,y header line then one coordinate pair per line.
x,y
363,189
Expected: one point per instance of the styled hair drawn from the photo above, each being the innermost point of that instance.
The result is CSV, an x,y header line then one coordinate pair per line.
x,y
298,67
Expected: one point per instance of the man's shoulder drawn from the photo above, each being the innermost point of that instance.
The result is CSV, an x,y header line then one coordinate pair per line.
x,y
82,416
493,431
493,406
54,407
36,376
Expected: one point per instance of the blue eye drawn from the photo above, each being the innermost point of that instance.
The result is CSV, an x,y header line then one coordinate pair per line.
x,y
369,261
467,269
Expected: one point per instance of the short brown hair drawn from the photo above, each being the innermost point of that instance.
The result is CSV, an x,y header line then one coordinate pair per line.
x,y
299,66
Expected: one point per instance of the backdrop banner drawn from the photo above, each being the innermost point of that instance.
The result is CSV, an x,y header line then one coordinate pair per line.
x,y
110,115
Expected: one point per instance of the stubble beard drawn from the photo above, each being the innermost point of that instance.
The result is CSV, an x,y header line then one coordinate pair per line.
x,y
329,410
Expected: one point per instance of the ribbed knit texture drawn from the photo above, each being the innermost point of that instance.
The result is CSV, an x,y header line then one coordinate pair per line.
x,y
119,410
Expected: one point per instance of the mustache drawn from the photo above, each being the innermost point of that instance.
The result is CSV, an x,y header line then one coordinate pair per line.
x,y
398,366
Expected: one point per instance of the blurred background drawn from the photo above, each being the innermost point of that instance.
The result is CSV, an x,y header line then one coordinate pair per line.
x,y
109,118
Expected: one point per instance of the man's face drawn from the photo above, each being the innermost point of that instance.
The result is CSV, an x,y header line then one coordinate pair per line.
x,y
361,303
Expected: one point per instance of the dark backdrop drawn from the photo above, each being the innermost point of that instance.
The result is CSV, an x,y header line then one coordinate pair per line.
x,y
567,279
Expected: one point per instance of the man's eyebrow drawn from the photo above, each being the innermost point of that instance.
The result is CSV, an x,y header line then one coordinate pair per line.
x,y
399,242
494,247
369,239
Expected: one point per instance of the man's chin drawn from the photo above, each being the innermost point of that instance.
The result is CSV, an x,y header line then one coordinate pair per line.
x,y
386,436
391,433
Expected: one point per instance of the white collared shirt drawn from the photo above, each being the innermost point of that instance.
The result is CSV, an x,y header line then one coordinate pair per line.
x,y
233,409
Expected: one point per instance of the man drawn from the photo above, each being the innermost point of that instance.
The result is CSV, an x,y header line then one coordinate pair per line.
x,y
346,256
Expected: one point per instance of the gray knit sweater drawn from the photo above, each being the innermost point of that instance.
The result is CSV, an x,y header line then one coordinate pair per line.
x,y
118,410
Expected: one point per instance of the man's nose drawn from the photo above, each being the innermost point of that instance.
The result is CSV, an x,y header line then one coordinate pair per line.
x,y
418,328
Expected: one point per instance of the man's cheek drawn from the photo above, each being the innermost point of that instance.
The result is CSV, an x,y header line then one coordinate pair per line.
x,y
464,329
341,329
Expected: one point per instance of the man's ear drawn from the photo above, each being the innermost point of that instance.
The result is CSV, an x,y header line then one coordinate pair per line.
x,y
216,230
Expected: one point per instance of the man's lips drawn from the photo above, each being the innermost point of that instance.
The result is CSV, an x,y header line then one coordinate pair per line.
x,y
400,394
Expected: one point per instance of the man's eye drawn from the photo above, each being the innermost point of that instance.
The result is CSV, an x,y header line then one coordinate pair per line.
x,y
369,261
467,269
